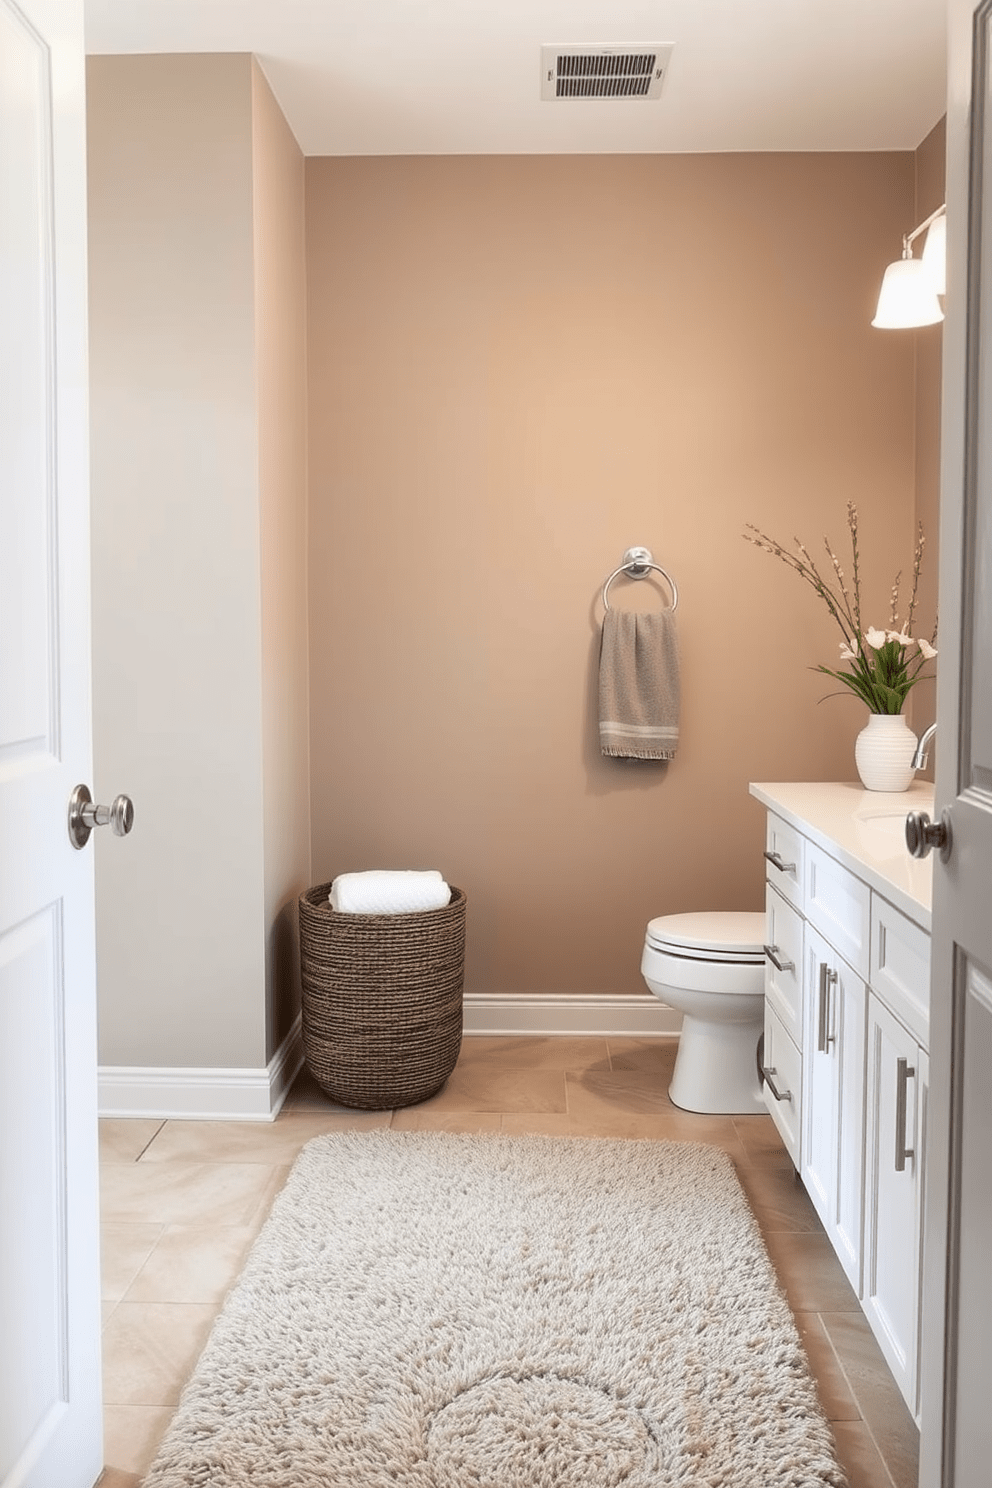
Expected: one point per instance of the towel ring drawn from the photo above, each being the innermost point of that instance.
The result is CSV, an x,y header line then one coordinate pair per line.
x,y
637,564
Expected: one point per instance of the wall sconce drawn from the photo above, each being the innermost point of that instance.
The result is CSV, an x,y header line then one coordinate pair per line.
x,y
910,286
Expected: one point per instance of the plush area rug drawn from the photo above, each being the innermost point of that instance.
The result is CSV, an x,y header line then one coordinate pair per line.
x,y
438,1311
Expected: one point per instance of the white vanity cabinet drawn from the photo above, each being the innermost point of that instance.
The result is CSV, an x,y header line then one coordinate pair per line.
x,y
847,1034
832,1165
896,1134
896,1125
783,1040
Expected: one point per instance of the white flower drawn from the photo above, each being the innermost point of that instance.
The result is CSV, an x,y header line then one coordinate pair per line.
x,y
846,654
928,651
900,638
875,638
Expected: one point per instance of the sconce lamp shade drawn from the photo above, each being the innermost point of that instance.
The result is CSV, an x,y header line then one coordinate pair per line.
x,y
934,256
907,297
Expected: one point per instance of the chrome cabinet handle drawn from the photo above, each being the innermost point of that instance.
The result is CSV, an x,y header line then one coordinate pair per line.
x,y
780,1095
772,952
904,1073
823,1034
922,834
777,861
84,815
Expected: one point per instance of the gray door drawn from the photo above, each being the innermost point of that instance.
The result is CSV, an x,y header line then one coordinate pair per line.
x,y
956,1443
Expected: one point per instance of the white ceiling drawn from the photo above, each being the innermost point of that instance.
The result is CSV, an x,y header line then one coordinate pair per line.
x,y
427,77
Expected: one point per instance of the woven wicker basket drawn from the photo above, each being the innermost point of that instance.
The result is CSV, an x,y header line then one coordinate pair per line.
x,y
382,1000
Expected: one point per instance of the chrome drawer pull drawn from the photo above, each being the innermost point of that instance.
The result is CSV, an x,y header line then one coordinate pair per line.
x,y
777,861
823,1035
780,1095
904,1073
772,953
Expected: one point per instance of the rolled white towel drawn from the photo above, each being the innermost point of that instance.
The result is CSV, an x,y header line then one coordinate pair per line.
x,y
382,891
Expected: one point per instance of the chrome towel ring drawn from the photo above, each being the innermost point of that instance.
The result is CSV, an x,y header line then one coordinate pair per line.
x,y
637,563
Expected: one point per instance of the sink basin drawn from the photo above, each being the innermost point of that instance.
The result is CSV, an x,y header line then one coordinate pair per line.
x,y
883,833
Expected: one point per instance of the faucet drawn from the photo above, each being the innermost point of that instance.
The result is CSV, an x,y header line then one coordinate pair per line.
x,y
919,759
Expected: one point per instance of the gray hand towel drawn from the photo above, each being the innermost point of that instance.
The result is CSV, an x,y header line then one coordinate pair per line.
x,y
639,691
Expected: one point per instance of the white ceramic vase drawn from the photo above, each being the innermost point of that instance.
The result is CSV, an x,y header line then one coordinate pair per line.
x,y
883,751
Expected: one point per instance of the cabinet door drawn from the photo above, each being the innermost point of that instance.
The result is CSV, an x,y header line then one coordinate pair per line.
x,y
835,1012
783,1083
784,963
896,1133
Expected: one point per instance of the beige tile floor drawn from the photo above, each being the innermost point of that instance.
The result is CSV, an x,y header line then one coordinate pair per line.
x,y
183,1200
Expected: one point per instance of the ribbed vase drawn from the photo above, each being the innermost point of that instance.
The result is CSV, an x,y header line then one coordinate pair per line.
x,y
883,752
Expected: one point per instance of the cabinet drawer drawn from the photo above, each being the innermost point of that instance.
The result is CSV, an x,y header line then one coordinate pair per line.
x,y
784,945
839,905
900,967
783,1062
784,857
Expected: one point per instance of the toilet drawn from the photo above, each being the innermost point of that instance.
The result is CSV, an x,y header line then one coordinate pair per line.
x,y
711,969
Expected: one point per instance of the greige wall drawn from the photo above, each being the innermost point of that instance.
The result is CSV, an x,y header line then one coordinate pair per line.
x,y
280,369
519,367
197,466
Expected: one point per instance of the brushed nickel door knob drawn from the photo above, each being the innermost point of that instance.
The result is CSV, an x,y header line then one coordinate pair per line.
x,y
922,834
84,815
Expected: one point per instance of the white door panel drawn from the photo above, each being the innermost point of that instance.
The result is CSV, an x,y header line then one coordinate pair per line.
x,y
50,1416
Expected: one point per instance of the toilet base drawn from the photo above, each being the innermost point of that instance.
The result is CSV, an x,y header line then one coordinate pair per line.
x,y
716,1068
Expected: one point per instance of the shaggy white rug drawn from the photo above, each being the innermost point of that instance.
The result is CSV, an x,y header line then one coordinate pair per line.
x,y
438,1311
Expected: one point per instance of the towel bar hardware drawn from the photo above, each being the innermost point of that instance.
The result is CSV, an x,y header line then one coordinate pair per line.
x,y
777,861
637,563
773,952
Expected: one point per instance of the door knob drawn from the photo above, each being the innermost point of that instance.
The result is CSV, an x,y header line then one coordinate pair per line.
x,y
922,834
84,815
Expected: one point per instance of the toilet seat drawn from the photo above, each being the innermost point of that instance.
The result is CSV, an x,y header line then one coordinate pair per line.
x,y
711,969
734,938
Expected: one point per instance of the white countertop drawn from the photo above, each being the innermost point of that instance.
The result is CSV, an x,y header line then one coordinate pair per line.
x,y
864,830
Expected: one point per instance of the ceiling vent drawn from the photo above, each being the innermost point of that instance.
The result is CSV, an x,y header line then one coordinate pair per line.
x,y
603,72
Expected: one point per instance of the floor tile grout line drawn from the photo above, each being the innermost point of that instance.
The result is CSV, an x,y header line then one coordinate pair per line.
x,y
157,1132
856,1397
846,1377
890,1481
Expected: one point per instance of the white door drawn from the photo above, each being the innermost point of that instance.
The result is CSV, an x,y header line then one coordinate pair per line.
x,y
956,1440
50,1415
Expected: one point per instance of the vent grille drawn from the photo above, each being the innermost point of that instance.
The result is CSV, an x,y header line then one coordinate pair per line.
x,y
603,72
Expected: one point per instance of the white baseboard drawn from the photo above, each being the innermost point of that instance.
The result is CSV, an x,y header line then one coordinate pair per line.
x,y
202,1094
257,1094
551,1014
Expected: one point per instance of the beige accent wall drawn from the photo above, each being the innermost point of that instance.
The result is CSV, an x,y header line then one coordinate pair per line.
x,y
519,367
930,192
198,495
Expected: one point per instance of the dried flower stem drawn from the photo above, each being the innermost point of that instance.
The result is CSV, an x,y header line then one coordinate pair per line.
x,y
917,563
852,524
883,667
806,569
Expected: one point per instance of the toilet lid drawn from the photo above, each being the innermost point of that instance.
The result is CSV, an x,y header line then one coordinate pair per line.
x,y
722,936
